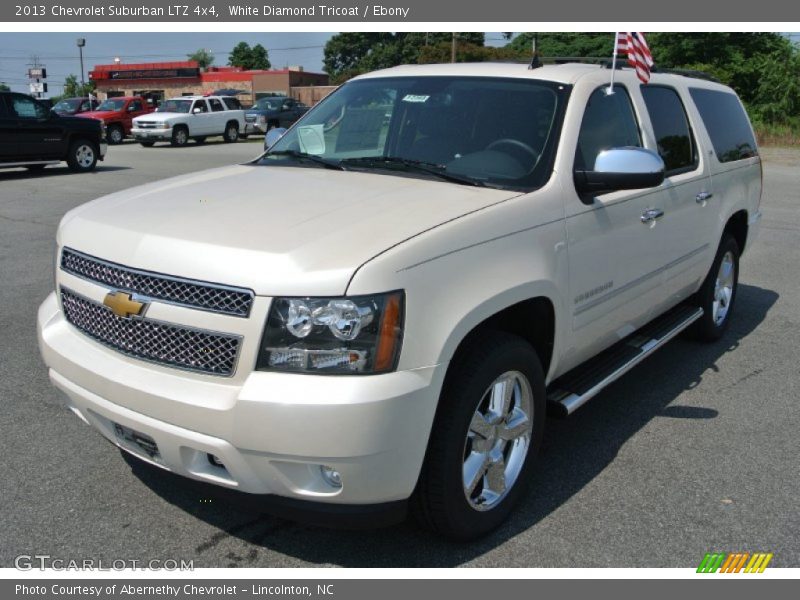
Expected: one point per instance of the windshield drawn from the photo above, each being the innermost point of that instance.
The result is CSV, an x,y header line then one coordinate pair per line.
x,y
68,105
490,131
112,104
176,106
269,103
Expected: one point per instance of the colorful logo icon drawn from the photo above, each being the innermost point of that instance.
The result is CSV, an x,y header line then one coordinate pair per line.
x,y
734,562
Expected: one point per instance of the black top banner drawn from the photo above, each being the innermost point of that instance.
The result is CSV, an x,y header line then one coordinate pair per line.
x,y
477,11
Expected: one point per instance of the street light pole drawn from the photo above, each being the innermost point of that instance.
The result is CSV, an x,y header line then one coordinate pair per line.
x,y
81,42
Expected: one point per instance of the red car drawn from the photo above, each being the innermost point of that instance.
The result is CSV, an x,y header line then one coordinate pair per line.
x,y
117,114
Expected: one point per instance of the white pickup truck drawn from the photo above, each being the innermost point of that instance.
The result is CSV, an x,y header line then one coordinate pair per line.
x,y
178,120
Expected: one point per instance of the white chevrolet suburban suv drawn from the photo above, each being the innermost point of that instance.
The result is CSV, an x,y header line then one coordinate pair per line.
x,y
178,120
377,313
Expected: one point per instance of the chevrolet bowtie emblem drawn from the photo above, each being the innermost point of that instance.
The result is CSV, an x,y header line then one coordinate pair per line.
x,y
122,305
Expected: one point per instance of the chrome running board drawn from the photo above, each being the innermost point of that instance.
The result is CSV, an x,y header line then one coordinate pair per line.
x,y
573,389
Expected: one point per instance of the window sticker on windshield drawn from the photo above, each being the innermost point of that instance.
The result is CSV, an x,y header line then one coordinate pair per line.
x,y
312,139
415,98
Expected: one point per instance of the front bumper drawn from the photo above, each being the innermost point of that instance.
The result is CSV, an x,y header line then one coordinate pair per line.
x,y
271,431
254,128
151,134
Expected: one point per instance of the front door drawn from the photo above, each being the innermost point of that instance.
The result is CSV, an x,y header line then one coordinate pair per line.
x,y
38,132
615,264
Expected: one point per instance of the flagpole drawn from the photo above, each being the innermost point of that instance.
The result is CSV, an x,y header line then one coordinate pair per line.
x,y
610,89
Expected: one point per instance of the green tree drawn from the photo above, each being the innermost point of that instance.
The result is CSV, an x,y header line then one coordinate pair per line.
x,y
246,57
565,44
203,57
259,58
348,54
4,87
74,89
240,55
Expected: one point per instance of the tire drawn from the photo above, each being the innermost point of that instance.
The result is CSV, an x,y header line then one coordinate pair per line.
x,y
468,432
200,140
115,135
147,144
180,136
82,156
231,133
717,295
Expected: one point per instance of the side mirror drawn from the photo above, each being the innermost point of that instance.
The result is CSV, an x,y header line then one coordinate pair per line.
x,y
621,169
273,135
196,111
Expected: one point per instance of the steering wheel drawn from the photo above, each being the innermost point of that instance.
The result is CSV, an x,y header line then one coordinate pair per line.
x,y
517,144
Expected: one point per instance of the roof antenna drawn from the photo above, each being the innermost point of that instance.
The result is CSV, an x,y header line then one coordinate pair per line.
x,y
535,62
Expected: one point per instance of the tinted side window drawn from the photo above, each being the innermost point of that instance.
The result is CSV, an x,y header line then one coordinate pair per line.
x,y
608,122
671,126
233,104
3,111
136,106
216,105
726,123
27,108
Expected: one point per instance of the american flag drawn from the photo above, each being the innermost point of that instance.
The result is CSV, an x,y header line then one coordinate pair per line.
x,y
632,44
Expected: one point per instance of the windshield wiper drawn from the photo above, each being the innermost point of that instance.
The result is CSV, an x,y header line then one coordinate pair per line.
x,y
391,162
329,164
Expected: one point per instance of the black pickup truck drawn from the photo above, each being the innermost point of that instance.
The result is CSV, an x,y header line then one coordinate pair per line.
x,y
33,136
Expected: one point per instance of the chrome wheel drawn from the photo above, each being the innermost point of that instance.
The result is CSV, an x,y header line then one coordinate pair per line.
x,y
84,156
181,137
723,288
498,440
115,135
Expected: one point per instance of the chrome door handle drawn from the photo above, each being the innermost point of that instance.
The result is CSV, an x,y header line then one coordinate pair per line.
x,y
651,214
703,196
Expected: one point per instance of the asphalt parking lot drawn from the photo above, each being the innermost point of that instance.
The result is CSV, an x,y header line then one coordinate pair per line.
x,y
695,450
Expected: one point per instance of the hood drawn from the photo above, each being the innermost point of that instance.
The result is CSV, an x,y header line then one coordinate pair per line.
x,y
99,114
276,230
160,116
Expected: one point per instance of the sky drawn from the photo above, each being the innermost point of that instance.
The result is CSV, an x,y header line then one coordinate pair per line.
x,y
59,53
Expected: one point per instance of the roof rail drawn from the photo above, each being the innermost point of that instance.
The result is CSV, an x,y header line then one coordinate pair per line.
x,y
693,73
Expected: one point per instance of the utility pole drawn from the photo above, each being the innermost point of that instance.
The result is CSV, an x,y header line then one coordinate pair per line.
x,y
453,49
81,42
36,73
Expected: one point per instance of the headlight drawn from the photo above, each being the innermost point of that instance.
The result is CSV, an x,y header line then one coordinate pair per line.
x,y
355,335
165,125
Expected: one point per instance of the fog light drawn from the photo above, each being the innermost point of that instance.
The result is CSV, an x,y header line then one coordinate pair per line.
x,y
215,460
331,476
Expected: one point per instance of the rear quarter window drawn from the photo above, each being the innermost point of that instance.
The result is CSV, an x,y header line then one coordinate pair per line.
x,y
727,124
232,103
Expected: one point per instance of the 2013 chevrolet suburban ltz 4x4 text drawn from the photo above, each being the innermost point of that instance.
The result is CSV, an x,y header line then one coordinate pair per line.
x,y
377,312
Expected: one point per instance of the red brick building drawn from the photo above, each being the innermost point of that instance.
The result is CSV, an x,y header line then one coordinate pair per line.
x,y
183,78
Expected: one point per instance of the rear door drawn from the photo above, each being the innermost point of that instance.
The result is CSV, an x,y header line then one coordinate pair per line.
x,y
218,114
684,234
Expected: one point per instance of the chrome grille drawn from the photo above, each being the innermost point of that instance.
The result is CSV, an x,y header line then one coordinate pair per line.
x,y
147,124
154,341
250,118
194,294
